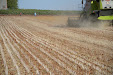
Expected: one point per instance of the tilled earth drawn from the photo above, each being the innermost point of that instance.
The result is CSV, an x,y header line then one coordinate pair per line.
x,y
44,45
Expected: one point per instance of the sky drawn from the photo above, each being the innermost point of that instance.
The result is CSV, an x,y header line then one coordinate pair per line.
x,y
50,4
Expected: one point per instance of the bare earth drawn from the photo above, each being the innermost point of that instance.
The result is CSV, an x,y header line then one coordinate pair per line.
x,y
43,45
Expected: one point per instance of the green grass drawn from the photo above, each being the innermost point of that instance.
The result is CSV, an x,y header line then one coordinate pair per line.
x,y
39,12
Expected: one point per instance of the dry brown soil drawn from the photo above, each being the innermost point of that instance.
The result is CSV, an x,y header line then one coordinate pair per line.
x,y
44,45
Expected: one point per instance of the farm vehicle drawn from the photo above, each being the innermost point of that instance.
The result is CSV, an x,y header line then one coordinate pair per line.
x,y
94,10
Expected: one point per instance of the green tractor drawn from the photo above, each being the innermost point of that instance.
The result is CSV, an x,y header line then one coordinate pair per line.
x,y
94,10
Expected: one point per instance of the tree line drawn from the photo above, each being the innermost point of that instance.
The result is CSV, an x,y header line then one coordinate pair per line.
x,y
12,4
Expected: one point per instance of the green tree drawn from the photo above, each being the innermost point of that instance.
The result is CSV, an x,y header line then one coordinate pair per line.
x,y
12,4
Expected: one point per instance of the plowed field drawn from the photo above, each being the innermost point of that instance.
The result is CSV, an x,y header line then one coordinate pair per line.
x,y
43,45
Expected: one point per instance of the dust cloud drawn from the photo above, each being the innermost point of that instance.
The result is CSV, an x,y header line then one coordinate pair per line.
x,y
89,24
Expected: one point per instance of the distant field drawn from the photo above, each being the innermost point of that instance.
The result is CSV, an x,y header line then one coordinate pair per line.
x,y
39,12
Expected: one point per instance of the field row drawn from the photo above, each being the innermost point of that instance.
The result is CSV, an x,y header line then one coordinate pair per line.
x,y
24,53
